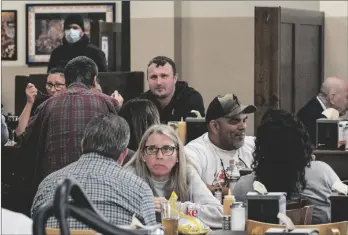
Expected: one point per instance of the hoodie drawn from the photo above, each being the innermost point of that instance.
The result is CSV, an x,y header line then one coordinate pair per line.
x,y
184,100
66,52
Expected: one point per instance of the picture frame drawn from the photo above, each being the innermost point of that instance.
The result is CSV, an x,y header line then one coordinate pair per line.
x,y
9,30
45,26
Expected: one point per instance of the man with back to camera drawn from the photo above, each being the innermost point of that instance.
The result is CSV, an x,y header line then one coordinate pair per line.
x,y
333,94
76,43
116,193
225,140
57,127
174,99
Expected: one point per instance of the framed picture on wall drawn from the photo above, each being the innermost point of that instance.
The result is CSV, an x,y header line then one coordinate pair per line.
x,y
45,26
9,49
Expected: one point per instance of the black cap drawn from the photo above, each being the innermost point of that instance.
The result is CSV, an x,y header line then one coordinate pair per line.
x,y
74,19
226,106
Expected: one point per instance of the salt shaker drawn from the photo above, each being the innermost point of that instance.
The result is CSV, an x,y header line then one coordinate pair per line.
x,y
238,217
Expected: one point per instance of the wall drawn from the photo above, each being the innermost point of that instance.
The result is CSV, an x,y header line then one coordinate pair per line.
x,y
216,43
12,68
336,38
218,46
152,32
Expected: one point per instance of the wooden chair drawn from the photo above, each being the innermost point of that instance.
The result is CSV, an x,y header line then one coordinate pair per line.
x,y
55,231
259,228
301,216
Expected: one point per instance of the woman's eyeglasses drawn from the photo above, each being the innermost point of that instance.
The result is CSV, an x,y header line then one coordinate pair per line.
x,y
166,150
57,86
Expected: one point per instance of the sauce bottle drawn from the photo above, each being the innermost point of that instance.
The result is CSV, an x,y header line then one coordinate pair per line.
x,y
182,130
228,201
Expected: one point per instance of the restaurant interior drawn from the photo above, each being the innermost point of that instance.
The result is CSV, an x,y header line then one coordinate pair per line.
x,y
273,55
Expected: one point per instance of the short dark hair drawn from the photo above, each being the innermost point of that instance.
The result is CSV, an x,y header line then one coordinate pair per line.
x,y
140,114
161,61
54,70
107,135
80,69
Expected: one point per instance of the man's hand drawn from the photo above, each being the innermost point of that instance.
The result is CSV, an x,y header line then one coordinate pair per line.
x,y
31,93
157,201
224,190
118,98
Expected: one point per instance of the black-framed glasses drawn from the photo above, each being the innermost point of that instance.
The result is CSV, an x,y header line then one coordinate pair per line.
x,y
166,150
57,86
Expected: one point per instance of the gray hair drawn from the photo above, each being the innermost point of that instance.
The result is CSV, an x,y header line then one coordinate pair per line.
x,y
178,180
107,135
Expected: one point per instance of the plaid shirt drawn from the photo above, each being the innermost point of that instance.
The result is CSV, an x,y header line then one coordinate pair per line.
x,y
54,133
115,192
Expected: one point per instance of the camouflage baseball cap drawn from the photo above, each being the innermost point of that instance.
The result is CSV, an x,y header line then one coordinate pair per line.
x,y
226,106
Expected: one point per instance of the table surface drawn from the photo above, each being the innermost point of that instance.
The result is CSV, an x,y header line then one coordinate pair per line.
x,y
331,152
225,232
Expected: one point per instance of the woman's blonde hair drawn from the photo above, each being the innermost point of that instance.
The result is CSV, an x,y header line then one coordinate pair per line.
x,y
178,177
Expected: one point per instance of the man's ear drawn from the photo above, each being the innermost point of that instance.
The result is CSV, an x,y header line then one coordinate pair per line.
x,y
95,81
214,126
176,78
122,156
331,99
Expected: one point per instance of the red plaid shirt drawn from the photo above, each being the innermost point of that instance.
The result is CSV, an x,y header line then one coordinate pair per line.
x,y
55,131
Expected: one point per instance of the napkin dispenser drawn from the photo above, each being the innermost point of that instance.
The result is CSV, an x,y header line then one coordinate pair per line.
x,y
265,208
339,207
327,134
297,231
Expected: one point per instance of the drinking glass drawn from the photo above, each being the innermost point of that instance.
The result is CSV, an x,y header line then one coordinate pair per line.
x,y
170,213
12,122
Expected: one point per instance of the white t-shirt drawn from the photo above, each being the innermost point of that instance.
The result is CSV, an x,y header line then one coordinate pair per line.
x,y
210,160
15,223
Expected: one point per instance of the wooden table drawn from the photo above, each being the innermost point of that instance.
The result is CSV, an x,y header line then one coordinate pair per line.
x,y
225,232
337,159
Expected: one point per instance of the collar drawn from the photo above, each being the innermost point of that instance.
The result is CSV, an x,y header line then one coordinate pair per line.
x,y
216,148
78,85
99,157
321,103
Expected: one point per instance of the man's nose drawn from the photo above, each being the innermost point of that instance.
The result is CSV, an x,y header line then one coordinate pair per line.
x,y
242,125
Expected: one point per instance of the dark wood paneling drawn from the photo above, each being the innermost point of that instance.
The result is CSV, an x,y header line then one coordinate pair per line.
x,y
266,60
307,79
288,58
286,67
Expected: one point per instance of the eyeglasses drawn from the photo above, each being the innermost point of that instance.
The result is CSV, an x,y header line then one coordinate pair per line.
x,y
57,86
166,150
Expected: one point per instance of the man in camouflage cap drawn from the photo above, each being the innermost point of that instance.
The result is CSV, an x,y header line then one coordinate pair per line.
x,y
225,140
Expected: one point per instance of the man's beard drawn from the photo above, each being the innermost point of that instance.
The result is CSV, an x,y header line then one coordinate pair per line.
x,y
161,97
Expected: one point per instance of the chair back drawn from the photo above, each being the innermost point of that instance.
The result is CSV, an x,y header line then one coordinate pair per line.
x,y
259,228
55,231
301,216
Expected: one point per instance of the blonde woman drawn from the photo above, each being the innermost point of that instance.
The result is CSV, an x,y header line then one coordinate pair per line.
x,y
160,160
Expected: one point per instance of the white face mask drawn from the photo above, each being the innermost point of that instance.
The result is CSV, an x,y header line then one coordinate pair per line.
x,y
72,35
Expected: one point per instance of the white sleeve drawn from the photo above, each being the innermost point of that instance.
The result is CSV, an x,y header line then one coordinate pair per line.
x,y
210,209
194,158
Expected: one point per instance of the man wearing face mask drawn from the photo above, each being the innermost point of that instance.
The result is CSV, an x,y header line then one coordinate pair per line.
x,y
76,43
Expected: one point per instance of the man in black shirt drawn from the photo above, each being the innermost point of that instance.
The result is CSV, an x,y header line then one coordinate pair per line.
x,y
174,99
76,43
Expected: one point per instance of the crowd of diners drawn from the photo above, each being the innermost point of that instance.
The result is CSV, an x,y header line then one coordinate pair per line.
x,y
128,160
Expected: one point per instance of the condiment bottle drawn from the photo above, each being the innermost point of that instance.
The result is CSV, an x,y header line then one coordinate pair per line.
x,y
182,130
228,201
